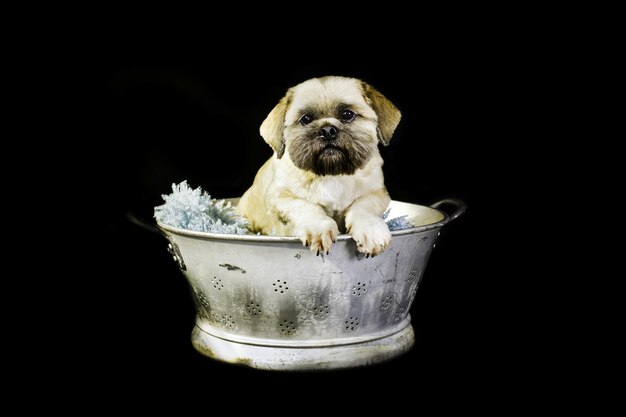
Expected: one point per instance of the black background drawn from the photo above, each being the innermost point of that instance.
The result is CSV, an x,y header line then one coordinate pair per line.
x,y
160,114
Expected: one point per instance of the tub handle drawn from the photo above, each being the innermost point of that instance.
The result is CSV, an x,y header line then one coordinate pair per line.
x,y
172,247
459,207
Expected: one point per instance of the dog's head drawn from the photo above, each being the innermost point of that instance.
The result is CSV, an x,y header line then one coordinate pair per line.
x,y
330,125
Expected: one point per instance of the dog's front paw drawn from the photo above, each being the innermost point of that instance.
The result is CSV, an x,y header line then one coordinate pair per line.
x,y
372,236
319,235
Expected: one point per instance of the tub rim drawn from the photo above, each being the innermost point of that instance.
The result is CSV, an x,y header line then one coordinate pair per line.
x,y
460,208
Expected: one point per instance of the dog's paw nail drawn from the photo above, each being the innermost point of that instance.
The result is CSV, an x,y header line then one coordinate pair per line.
x,y
327,252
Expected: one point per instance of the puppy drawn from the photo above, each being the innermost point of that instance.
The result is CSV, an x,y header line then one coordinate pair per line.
x,y
325,176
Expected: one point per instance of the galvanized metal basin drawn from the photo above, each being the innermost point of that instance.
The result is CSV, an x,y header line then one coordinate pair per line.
x,y
268,302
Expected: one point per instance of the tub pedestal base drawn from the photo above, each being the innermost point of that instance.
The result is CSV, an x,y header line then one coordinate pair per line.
x,y
281,358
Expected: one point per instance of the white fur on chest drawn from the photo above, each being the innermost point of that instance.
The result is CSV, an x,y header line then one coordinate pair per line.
x,y
336,193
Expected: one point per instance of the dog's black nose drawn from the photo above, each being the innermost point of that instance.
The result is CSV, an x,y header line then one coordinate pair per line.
x,y
328,132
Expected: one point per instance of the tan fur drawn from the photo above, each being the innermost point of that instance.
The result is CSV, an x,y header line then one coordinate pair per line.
x,y
388,114
273,125
307,198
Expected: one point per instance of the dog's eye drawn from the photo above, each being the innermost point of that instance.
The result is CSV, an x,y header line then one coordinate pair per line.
x,y
306,119
347,115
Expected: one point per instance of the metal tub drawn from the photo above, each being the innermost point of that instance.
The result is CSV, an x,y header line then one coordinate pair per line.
x,y
268,302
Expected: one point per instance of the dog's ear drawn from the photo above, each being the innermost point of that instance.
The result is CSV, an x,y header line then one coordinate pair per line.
x,y
274,124
388,114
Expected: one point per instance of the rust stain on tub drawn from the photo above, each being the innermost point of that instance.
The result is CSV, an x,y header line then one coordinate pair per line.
x,y
233,268
244,361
